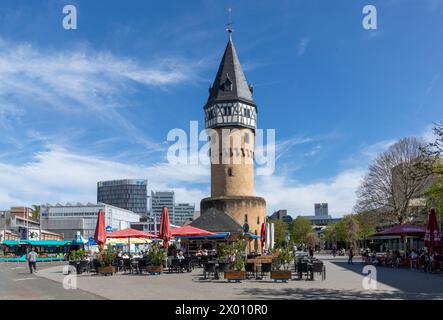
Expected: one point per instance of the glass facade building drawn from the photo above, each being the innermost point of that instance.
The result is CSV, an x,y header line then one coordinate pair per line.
x,y
126,194
159,200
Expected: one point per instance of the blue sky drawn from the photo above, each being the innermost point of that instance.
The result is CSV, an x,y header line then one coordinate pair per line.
x,y
97,103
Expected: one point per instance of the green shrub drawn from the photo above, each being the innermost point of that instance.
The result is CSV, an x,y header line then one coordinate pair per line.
x,y
76,255
107,257
157,255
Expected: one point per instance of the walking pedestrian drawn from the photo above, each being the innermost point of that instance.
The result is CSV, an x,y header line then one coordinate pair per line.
x,y
351,255
32,260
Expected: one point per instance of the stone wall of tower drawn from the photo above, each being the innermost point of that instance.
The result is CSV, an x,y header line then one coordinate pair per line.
x,y
232,162
252,209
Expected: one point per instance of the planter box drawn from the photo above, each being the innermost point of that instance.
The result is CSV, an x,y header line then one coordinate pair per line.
x,y
281,275
106,270
154,269
235,276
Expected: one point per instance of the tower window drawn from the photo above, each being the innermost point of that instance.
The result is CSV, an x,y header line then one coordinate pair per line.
x,y
230,172
227,85
246,218
258,219
247,137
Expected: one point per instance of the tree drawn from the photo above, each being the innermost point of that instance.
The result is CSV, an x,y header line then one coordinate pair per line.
x,y
300,228
36,212
329,234
432,163
347,230
280,229
392,181
312,239
367,222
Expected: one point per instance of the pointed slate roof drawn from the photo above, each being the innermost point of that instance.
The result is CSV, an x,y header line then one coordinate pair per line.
x,y
230,82
217,221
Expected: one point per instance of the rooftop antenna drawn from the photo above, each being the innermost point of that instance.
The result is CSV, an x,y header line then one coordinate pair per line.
x,y
229,25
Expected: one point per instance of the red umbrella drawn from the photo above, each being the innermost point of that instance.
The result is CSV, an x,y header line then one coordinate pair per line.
x,y
100,229
403,230
190,231
263,234
432,235
165,228
130,233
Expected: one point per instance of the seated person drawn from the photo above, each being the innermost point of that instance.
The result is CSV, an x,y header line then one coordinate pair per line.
x,y
180,255
125,256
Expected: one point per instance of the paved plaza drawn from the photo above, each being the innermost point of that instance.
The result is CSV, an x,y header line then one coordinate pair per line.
x,y
343,281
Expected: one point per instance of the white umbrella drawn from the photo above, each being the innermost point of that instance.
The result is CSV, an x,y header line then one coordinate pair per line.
x,y
272,236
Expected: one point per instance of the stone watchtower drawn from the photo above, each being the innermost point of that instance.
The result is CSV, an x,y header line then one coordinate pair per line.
x,y
231,119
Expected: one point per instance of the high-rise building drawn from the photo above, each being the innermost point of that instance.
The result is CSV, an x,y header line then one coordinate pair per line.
x,y
159,200
129,194
183,212
321,209
230,105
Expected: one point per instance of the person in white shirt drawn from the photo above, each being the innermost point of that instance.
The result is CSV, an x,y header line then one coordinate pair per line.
x,y
32,260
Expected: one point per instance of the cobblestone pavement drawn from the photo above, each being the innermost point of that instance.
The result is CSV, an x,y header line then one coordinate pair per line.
x,y
343,282
16,283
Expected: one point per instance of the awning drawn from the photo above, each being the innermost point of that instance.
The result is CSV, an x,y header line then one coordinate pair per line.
x,y
220,235
190,231
253,236
126,241
130,233
36,242
403,230
10,242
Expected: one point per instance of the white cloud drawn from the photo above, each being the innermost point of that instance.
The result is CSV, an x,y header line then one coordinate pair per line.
x,y
80,82
57,175
302,46
282,193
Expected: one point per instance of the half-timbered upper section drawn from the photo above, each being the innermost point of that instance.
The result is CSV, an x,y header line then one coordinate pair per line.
x,y
230,101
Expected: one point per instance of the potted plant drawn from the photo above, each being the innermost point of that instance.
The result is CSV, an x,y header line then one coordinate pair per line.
x,y
106,259
236,252
156,255
281,262
75,259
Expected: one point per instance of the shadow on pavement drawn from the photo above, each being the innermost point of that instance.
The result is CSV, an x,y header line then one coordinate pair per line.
x,y
403,279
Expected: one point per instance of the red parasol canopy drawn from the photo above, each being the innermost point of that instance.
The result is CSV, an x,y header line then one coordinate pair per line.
x,y
100,229
403,230
263,234
165,228
130,233
432,235
190,231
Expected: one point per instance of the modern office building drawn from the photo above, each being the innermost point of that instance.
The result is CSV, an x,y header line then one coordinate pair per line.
x,y
68,219
321,217
179,213
183,212
321,209
159,200
126,194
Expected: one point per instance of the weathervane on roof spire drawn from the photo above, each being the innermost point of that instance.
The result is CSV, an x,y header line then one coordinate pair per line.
x,y
229,25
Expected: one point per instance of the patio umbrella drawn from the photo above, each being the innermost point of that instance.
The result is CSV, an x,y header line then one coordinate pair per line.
x,y
100,230
128,241
165,228
128,234
263,235
190,231
432,235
